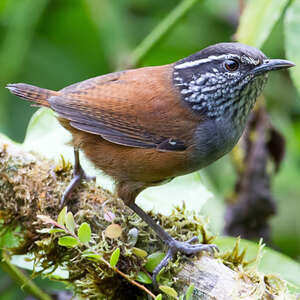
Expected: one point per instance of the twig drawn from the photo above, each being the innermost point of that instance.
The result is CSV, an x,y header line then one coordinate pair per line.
x,y
160,31
140,286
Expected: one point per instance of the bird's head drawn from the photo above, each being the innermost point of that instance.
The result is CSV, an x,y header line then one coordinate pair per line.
x,y
224,80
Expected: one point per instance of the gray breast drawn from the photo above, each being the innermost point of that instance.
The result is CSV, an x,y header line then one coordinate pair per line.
x,y
212,140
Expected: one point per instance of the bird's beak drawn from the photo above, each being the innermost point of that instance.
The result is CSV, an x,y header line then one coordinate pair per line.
x,y
272,64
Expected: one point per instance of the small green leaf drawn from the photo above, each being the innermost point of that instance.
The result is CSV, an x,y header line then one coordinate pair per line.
x,y
90,254
153,260
139,252
70,223
114,258
189,292
93,256
84,233
62,216
169,291
68,241
158,297
54,230
143,278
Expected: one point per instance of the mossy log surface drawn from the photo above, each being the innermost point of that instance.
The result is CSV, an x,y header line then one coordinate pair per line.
x,y
31,185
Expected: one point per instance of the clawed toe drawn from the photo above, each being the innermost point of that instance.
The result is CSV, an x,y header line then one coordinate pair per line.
x,y
185,248
192,240
212,249
76,180
188,249
174,246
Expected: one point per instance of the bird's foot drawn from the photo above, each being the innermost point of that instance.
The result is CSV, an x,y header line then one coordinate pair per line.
x,y
187,248
78,175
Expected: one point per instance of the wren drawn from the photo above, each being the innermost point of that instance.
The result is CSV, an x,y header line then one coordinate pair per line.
x,y
148,125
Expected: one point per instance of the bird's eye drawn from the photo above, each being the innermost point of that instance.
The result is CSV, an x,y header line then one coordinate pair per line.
x,y
231,65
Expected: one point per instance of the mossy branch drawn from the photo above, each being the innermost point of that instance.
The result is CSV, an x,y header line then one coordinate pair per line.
x,y
31,185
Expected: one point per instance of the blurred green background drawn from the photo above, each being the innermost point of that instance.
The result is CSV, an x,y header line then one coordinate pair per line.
x,y
55,43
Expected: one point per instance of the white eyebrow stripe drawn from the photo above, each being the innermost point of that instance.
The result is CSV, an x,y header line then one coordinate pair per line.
x,y
250,60
190,64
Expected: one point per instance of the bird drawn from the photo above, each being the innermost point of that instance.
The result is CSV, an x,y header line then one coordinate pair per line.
x,y
145,126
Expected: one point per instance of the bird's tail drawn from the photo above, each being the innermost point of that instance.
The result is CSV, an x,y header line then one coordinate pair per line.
x,y
31,93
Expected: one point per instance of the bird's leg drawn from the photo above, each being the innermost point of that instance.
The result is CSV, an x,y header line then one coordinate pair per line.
x,y
174,246
78,175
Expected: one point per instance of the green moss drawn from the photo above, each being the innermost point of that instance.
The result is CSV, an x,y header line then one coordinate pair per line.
x,y
31,186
